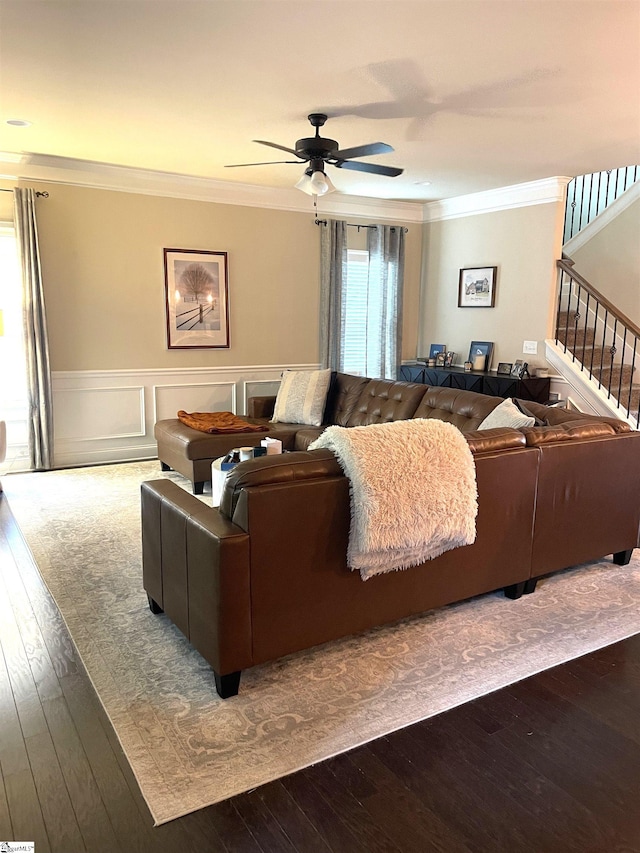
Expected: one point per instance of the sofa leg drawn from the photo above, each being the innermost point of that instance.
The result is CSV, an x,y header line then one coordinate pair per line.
x,y
154,607
198,488
622,558
516,590
228,685
164,466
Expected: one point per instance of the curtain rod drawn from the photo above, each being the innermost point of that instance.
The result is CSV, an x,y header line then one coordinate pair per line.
x,y
355,225
44,194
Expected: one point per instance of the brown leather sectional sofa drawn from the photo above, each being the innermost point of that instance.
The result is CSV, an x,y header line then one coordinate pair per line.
x,y
265,574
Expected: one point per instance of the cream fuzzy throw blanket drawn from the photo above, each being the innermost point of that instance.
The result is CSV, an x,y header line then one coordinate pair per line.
x,y
413,491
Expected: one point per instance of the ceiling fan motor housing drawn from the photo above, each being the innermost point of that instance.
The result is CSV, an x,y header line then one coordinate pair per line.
x,y
315,148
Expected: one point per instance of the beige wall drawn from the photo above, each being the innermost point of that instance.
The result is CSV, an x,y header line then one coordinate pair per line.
x,y
610,261
6,202
103,274
524,244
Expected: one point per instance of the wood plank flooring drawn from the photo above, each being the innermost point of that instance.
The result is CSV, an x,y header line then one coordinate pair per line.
x,y
549,764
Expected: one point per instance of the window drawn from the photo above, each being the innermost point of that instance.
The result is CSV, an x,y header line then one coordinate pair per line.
x,y
13,379
369,321
361,300
354,327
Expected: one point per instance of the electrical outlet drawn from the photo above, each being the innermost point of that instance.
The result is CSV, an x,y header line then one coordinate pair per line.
x,y
530,347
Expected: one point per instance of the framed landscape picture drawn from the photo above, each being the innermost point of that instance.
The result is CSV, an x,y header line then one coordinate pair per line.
x,y
477,287
197,299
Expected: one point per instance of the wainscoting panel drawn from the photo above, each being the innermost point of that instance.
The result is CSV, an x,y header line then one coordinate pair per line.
x,y
94,414
201,397
259,388
108,415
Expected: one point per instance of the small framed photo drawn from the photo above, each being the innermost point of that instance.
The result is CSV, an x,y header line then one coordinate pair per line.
x,y
484,348
435,349
504,368
197,299
441,359
477,287
517,367
448,362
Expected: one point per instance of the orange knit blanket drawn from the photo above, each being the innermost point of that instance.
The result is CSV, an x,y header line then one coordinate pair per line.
x,y
218,422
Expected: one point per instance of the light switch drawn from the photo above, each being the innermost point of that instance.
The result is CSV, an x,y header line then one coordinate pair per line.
x,y
530,347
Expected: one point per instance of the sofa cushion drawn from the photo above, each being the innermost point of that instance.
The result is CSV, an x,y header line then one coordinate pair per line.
x,y
507,414
464,409
344,392
302,396
383,400
306,435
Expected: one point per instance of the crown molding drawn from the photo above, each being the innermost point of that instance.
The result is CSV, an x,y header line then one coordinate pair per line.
x,y
617,206
545,191
104,176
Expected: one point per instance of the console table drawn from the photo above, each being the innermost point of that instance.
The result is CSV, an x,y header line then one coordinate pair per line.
x,y
480,381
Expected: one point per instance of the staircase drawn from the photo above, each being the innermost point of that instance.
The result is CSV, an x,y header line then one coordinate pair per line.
x,y
600,343
598,362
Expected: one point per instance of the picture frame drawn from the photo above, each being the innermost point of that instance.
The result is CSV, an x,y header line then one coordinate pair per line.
x,y
484,348
434,349
441,358
477,287
448,362
504,368
196,299
520,369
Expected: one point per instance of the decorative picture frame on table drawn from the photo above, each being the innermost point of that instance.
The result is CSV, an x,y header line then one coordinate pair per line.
x,y
196,299
484,348
441,359
434,349
504,368
477,287
518,368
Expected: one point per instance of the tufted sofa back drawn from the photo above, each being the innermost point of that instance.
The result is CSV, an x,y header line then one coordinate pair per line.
x,y
343,395
464,409
383,400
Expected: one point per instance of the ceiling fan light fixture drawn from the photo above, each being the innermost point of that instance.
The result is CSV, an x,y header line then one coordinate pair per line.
x,y
319,183
304,184
315,183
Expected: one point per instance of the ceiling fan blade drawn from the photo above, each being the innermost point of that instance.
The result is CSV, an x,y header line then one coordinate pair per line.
x,y
268,163
373,168
364,150
274,145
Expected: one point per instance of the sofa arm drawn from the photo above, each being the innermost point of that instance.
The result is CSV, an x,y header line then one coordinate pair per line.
x,y
261,407
196,569
490,440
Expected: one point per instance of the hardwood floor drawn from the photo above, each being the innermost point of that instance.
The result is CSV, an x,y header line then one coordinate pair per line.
x,y
549,764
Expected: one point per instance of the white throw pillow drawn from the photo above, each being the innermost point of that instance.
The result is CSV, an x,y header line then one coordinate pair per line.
x,y
302,396
507,414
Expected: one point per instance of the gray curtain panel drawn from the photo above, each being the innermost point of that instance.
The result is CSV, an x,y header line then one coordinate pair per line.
x,y
333,267
35,328
386,274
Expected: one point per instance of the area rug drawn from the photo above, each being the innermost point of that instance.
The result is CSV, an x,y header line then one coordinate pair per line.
x,y
187,747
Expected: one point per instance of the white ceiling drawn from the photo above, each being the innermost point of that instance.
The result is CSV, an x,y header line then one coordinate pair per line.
x,y
472,95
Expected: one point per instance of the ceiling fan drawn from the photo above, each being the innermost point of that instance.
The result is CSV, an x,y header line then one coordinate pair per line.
x,y
317,151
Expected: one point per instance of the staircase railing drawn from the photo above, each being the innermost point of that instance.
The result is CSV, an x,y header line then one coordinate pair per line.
x,y
589,195
593,331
